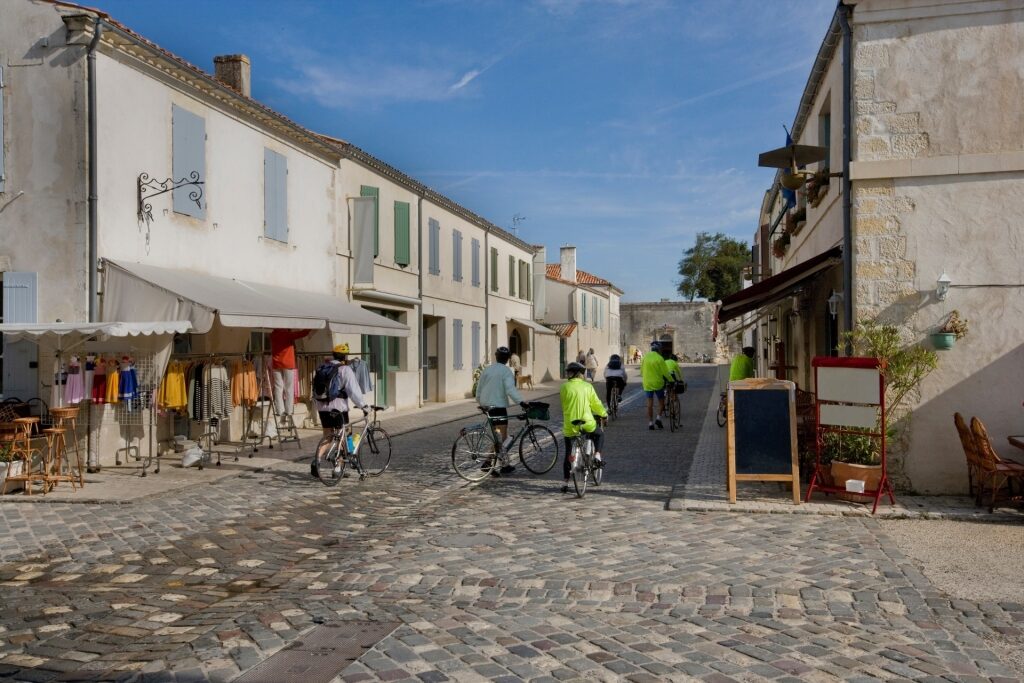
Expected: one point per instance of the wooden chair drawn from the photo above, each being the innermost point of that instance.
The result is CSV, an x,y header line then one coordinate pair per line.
x,y
992,470
971,454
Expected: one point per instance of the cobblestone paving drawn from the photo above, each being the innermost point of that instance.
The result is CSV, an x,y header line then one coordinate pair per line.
x,y
509,580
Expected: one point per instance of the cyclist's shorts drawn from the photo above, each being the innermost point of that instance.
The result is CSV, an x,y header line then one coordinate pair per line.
x,y
660,393
498,412
333,419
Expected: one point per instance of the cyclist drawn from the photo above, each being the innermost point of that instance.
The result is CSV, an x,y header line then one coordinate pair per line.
x,y
580,402
742,365
497,384
332,405
614,376
653,373
675,373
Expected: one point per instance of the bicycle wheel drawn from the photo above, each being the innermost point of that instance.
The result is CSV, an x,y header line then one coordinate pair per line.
x,y
596,474
330,461
582,469
722,407
613,405
677,415
375,455
473,454
538,449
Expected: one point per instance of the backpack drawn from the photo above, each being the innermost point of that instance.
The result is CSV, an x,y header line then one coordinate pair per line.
x,y
327,383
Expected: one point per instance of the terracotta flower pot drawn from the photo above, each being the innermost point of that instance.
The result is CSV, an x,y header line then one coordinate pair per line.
x,y
871,475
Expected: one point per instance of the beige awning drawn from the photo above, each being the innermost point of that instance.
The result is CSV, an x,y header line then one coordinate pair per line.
x,y
535,326
144,292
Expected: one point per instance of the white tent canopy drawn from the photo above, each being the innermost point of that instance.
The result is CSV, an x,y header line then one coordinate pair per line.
x,y
66,335
134,290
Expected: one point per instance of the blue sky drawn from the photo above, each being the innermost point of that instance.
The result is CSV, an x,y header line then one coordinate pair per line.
x,y
621,126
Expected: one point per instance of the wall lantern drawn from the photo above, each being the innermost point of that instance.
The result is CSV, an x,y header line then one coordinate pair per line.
x,y
833,303
942,286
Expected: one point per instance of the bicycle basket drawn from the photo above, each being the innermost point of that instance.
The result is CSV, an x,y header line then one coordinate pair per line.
x,y
538,410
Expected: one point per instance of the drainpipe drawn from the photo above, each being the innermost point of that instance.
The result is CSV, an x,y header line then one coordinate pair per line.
x,y
419,328
844,20
93,229
487,294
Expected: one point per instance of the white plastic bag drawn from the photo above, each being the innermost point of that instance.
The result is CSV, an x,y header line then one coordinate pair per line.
x,y
192,457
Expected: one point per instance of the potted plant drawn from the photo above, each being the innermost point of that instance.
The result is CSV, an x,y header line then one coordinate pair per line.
x,y
817,186
10,466
780,245
952,329
855,456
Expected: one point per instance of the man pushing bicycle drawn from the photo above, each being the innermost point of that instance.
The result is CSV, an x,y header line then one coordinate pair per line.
x,y
494,389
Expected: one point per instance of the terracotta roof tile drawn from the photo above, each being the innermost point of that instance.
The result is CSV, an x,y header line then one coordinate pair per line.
x,y
554,271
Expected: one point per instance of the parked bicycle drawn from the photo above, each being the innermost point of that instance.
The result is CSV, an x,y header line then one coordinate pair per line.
x,y
478,448
582,463
723,407
368,451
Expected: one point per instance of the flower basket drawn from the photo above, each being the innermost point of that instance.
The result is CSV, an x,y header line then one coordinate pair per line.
x,y
943,340
780,245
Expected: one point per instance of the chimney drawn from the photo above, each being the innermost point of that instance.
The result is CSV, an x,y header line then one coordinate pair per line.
x,y
569,263
540,299
234,72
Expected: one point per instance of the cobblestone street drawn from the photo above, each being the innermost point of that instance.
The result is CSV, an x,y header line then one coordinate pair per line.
x,y
508,580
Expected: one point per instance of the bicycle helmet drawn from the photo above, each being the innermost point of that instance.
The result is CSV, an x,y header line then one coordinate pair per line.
x,y
502,354
574,369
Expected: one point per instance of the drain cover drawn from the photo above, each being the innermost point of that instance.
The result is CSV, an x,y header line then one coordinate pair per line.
x,y
320,655
467,540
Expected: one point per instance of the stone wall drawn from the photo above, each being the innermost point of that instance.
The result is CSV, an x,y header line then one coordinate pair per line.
x,y
690,325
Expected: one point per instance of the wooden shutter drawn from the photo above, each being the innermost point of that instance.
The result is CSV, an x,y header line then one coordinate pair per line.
x,y
402,251
511,275
188,157
275,195
494,269
367,191
475,265
529,282
457,255
457,344
20,378
584,307
3,171
474,344
435,253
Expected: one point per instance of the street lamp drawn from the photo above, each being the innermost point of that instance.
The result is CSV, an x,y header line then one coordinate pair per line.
x,y
833,303
942,286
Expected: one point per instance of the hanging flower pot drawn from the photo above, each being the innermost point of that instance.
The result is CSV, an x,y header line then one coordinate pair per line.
x,y
943,340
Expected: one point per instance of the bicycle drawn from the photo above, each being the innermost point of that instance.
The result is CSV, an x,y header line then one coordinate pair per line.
x,y
613,402
675,411
332,453
723,407
583,467
478,449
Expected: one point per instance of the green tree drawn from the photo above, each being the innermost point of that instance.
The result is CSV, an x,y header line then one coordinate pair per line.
x,y
713,267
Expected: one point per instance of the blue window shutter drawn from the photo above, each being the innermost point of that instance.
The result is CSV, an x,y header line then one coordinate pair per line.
x,y
367,190
275,196
188,142
402,255
20,377
457,255
475,344
435,254
475,265
457,344
3,168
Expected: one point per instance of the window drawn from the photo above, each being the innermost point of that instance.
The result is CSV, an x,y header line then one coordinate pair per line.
x,y
188,152
524,280
584,308
457,344
435,247
494,269
275,196
3,172
367,191
511,275
825,132
402,257
457,255
474,344
474,248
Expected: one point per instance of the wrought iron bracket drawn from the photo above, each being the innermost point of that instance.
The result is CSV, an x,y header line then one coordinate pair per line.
x,y
151,187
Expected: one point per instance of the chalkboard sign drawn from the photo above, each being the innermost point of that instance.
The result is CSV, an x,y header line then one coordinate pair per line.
x,y
762,434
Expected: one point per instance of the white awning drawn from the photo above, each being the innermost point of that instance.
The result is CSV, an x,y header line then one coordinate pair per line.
x,y
69,334
134,290
387,297
535,326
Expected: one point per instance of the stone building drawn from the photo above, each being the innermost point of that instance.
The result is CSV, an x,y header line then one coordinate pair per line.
x,y
923,177
687,327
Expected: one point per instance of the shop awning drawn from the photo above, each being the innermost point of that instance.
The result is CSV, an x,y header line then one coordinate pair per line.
x,y
563,330
535,326
134,290
777,286
101,331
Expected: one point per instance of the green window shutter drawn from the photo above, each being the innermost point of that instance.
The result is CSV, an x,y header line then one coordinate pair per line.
x,y
511,275
494,269
529,283
402,256
584,307
367,191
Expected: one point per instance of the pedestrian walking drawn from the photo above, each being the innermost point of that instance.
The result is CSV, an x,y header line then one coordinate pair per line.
x,y
591,365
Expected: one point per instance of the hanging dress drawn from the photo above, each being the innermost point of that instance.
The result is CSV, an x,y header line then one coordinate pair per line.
x,y
74,390
113,381
90,373
128,381
99,381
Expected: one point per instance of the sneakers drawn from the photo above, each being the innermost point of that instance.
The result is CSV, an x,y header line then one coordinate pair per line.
x,y
658,424
598,462
651,426
565,488
312,469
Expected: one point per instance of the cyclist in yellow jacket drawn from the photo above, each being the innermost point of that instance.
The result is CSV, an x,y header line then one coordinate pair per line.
x,y
580,402
653,373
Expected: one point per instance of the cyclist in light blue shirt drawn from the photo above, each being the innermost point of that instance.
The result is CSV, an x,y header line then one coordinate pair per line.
x,y
495,390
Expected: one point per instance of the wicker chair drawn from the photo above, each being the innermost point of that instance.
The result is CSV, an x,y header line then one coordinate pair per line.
x,y
993,472
971,454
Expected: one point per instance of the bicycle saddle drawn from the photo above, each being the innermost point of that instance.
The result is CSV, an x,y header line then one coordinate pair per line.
x,y
579,422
